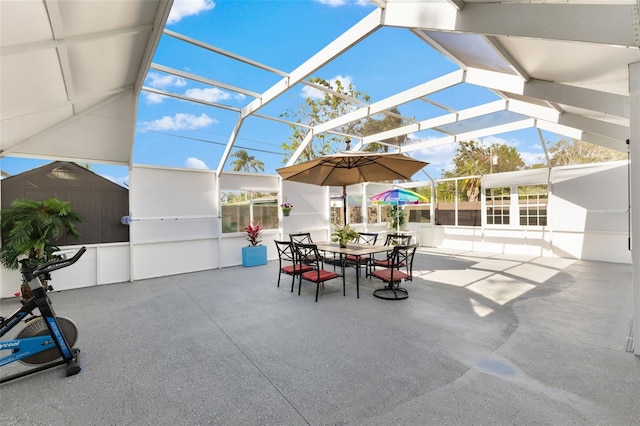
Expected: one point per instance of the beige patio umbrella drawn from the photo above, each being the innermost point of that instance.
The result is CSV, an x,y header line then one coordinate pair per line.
x,y
348,168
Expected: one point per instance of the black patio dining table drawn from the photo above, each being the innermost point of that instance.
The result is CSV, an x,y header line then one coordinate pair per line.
x,y
360,251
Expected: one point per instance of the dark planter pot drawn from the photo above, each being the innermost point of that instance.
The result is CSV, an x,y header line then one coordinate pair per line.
x,y
254,255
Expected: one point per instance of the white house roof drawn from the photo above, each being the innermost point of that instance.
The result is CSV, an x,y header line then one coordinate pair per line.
x,y
71,72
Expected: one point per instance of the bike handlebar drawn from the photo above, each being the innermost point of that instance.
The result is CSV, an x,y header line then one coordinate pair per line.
x,y
54,265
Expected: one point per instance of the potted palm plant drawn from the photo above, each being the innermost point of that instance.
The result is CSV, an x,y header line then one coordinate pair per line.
x,y
343,235
255,253
397,217
29,230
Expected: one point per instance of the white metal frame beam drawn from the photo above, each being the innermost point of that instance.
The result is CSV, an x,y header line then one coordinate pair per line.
x,y
356,33
349,38
593,100
614,24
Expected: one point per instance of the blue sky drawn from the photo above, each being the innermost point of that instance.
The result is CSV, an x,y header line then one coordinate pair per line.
x,y
281,34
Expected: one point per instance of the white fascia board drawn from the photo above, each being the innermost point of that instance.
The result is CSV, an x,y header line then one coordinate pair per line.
x,y
345,41
495,80
611,24
162,14
416,92
560,129
593,100
598,127
495,130
532,110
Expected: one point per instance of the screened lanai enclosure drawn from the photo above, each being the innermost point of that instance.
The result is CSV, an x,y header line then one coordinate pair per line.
x,y
198,110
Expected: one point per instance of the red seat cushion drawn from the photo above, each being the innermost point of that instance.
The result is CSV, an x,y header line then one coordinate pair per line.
x,y
353,258
384,263
299,268
385,275
323,276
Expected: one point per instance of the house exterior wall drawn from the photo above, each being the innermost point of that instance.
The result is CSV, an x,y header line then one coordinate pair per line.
x,y
587,211
587,220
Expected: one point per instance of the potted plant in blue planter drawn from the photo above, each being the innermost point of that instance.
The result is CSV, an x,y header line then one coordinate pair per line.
x,y
255,253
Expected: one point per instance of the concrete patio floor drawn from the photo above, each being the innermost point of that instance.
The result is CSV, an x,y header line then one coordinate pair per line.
x,y
483,339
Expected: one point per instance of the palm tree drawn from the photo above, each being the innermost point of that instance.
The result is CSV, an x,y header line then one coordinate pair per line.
x,y
29,228
245,162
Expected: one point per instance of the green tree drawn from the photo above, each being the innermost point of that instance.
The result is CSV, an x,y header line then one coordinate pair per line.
x,y
334,104
245,162
374,125
472,158
565,153
317,111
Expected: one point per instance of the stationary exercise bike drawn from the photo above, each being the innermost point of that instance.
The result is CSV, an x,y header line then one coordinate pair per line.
x,y
45,338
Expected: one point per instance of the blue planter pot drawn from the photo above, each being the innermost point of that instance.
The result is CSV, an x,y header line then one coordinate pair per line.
x,y
254,255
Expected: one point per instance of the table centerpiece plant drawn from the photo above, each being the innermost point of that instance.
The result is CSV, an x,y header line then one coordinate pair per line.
x,y
344,234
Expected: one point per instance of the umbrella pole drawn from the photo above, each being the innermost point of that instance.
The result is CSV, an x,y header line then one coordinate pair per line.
x,y
344,203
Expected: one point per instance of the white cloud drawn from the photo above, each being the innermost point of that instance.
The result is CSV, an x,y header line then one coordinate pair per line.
x,y
530,158
195,163
179,121
211,95
338,3
310,92
154,98
439,157
491,140
333,3
183,8
162,81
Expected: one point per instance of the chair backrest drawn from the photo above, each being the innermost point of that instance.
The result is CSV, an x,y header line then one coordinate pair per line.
x,y
307,254
301,238
285,251
394,239
367,238
402,256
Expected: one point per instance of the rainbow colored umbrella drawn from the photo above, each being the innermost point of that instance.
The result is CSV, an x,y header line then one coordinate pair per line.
x,y
398,197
